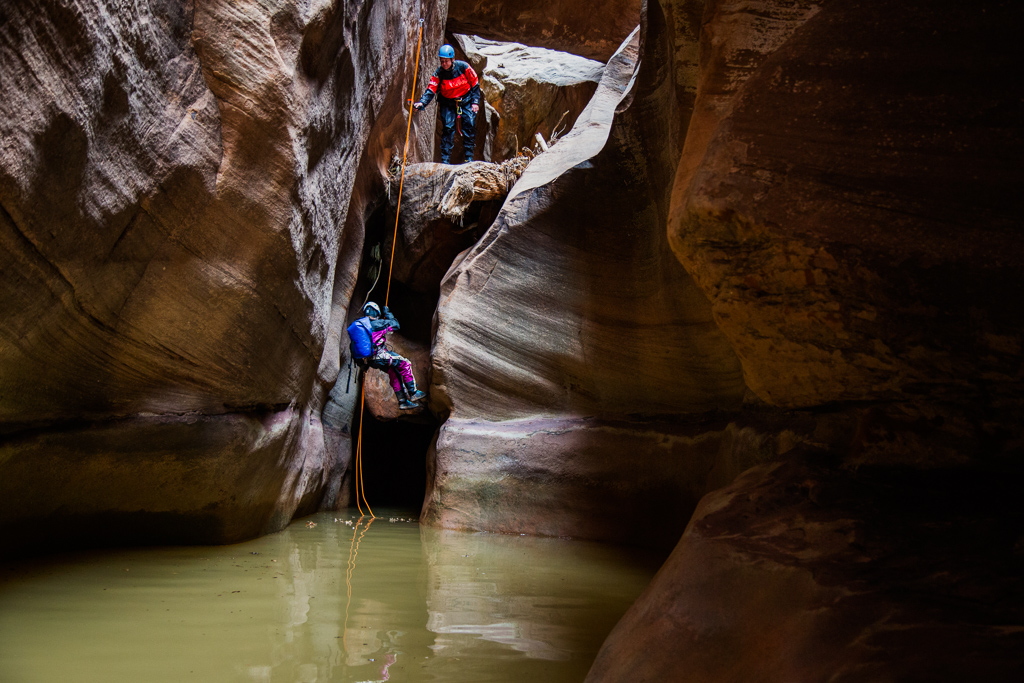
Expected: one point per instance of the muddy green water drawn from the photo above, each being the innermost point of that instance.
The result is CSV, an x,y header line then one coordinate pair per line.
x,y
344,600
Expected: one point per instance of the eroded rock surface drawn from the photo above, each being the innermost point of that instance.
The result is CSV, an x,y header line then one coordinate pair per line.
x,y
528,90
174,183
444,210
831,202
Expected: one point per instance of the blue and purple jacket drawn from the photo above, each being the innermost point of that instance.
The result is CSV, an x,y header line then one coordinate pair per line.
x,y
368,334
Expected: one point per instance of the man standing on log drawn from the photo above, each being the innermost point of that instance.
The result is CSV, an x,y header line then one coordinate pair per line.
x,y
458,96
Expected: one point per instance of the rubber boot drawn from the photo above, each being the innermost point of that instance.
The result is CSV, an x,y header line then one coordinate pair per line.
x,y
413,393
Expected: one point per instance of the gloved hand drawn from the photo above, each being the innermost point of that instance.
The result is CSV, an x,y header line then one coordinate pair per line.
x,y
418,106
475,108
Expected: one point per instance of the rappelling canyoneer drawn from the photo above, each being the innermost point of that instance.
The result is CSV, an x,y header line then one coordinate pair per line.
x,y
369,350
458,97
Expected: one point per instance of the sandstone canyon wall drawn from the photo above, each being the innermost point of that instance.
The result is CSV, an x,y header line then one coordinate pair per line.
x,y
836,179
844,201
779,243
570,336
176,264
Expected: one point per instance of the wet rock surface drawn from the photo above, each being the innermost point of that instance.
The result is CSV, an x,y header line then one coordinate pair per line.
x,y
781,235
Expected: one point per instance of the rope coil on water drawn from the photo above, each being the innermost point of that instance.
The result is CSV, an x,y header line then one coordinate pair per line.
x,y
359,482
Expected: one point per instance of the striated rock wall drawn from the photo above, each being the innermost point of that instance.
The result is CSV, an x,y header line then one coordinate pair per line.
x,y
175,183
572,306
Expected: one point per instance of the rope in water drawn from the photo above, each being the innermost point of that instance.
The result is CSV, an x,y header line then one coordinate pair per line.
x,y
360,492
353,553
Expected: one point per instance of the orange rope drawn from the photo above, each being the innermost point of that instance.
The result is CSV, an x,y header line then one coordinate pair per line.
x,y
405,155
349,571
360,492
358,453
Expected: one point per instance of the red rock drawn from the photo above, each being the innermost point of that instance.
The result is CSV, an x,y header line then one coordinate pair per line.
x,y
571,306
381,402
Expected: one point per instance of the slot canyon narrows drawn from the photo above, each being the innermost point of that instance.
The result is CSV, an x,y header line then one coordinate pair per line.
x,y
720,336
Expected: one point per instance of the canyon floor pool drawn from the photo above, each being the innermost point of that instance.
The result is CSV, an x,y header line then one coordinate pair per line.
x,y
331,598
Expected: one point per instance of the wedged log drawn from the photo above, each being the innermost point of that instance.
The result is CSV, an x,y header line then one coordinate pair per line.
x,y
848,199
594,32
804,570
572,305
531,90
436,221
173,182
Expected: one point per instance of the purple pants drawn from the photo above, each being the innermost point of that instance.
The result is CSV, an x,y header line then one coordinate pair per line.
x,y
399,368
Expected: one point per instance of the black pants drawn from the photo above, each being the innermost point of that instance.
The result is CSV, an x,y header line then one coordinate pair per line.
x,y
468,126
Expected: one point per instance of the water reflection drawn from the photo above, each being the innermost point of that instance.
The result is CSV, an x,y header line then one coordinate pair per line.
x,y
345,600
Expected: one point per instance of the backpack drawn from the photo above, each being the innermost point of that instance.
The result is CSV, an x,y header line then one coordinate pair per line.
x,y
361,344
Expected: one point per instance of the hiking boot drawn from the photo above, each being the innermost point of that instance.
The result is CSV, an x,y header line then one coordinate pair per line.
x,y
417,395
469,158
406,404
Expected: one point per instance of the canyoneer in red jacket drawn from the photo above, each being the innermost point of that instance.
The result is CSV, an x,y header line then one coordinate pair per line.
x,y
458,97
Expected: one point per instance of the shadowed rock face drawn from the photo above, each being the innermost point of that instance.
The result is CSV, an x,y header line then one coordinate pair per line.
x,y
845,200
801,570
595,31
174,183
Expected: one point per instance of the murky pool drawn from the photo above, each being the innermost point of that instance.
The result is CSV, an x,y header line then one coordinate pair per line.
x,y
346,599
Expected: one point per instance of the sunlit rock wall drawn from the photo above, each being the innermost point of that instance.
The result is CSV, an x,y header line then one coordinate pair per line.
x,y
175,180
568,333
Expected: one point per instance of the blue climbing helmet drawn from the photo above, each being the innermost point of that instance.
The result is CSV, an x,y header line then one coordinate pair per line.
x,y
371,309
447,52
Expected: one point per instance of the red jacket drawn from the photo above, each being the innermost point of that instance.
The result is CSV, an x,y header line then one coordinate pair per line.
x,y
458,83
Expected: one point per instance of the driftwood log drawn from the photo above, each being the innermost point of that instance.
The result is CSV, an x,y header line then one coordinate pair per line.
x,y
436,222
